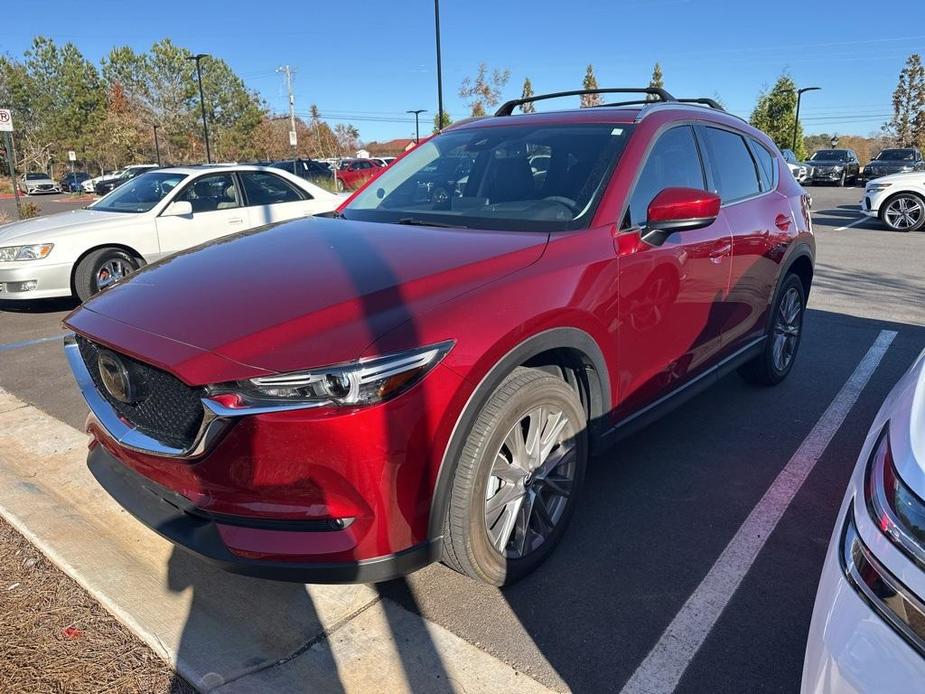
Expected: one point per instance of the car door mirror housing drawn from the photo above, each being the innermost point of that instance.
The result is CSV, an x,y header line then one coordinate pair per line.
x,y
178,208
680,209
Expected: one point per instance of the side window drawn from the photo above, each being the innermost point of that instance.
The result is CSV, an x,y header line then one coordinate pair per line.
x,y
264,188
768,165
210,193
673,162
733,168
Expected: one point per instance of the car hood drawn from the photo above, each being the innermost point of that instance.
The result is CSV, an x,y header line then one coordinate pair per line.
x,y
823,163
302,294
909,177
45,229
890,162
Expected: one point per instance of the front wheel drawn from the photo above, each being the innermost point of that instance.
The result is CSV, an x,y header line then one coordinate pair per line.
x,y
100,269
784,333
903,212
518,478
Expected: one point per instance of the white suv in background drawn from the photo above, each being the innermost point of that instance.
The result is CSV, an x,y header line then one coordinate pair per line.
x,y
897,200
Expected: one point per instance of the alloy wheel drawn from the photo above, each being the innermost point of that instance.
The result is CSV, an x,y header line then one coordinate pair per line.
x,y
531,478
904,212
787,329
111,271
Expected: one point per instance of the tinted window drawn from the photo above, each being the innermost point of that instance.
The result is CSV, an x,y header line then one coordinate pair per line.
x,y
733,168
210,193
673,162
140,194
767,164
266,189
897,155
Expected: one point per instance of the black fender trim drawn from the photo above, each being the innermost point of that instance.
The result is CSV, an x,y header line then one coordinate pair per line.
x,y
555,338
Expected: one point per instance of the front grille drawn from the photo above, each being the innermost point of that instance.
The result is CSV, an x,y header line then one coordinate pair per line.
x,y
169,410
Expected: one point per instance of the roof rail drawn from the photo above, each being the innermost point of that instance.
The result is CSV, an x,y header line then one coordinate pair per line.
x,y
712,103
507,108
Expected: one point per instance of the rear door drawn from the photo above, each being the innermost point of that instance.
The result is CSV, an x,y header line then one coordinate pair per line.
x,y
672,294
745,175
270,198
217,211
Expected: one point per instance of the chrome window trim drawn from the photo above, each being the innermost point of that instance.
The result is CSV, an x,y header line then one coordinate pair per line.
x,y
216,417
881,590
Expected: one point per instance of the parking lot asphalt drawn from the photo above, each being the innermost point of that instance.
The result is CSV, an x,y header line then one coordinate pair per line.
x,y
47,204
660,508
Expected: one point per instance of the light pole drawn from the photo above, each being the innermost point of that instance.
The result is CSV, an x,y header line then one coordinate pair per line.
x,y
157,144
417,127
202,102
796,120
439,67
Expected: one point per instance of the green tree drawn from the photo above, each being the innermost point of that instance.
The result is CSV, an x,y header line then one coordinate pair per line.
x,y
485,90
590,82
907,126
447,122
657,80
526,93
775,113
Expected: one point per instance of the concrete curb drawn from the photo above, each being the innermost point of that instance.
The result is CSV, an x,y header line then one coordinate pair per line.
x,y
221,632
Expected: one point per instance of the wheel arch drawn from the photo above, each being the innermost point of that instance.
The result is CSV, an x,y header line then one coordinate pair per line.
x,y
119,246
570,352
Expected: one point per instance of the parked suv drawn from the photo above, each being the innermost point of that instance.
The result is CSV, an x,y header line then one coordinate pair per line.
x,y
839,166
424,378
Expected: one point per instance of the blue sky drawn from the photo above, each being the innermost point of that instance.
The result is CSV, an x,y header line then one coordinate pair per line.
x,y
368,62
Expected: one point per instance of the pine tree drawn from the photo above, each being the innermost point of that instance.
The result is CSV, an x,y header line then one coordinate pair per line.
x,y
526,94
907,126
657,81
447,121
775,113
590,82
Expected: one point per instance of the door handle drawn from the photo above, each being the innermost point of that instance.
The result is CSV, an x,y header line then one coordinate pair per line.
x,y
782,222
717,254
236,220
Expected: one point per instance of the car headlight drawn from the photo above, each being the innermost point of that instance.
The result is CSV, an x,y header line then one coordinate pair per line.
x,y
35,252
905,168
877,187
364,382
896,509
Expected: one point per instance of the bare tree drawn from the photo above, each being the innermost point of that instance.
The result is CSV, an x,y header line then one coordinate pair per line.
x,y
484,90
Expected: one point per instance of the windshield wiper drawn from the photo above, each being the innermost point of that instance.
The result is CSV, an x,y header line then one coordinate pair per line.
x,y
414,221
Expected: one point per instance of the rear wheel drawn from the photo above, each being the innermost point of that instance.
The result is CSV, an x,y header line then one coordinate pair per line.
x,y
100,269
518,478
784,333
903,212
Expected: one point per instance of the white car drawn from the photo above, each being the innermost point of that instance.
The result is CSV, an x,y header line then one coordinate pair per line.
x,y
898,200
868,627
33,183
89,185
151,216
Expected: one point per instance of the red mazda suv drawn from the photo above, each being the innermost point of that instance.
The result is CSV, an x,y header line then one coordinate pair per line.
x,y
424,377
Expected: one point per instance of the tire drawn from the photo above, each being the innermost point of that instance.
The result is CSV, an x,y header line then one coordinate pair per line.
x,y
896,217
785,329
90,275
472,532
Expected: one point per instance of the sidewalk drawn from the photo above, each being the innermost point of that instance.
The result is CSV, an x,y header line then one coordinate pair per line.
x,y
221,632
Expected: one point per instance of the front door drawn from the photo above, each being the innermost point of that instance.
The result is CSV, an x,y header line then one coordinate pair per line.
x,y
671,295
217,212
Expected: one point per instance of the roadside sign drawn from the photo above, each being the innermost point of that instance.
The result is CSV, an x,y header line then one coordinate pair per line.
x,y
293,140
71,155
6,120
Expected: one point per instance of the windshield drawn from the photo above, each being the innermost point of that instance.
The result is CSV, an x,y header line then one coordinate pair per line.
x,y
140,194
517,177
896,155
36,176
829,155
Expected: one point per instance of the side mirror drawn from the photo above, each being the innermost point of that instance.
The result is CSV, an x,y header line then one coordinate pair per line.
x,y
679,209
178,208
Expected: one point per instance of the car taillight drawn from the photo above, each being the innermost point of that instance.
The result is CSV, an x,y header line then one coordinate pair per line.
x,y
898,511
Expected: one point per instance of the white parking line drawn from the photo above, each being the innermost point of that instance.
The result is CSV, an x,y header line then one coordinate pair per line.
x,y
663,668
853,224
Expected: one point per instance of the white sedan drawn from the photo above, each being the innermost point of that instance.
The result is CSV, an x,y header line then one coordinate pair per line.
x,y
147,218
868,627
898,200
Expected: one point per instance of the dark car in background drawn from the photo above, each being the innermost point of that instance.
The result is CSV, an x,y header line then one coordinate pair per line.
x,y
108,185
839,166
70,182
309,169
891,161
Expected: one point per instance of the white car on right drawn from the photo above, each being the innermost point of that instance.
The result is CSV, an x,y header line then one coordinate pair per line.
x,y
868,627
897,200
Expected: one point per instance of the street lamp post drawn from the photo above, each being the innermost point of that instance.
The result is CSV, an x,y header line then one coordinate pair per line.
x,y
439,67
157,144
796,119
202,102
417,127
